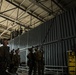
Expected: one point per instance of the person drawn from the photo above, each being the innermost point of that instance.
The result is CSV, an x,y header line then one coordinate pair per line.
x,y
39,60
4,57
42,60
31,62
16,60
11,66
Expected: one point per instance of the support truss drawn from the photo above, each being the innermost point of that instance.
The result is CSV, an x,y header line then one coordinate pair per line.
x,y
38,3
11,19
30,12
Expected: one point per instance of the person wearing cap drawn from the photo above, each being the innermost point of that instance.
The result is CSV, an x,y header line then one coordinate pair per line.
x,y
42,60
31,62
39,60
16,60
11,66
4,57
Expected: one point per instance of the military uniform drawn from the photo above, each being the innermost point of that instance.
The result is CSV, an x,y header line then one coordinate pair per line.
x,y
31,62
4,59
40,62
16,60
11,66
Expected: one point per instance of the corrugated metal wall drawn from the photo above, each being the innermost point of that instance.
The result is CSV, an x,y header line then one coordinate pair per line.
x,y
61,37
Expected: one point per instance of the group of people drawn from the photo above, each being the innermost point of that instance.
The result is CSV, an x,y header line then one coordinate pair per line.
x,y
9,61
35,61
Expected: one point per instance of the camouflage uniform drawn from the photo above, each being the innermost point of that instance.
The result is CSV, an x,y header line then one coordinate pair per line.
x,y
31,62
16,60
40,62
11,66
4,59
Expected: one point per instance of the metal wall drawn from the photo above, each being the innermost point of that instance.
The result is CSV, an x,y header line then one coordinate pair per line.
x,y
61,38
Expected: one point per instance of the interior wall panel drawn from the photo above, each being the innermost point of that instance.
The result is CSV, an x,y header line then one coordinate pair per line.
x,y
23,56
60,38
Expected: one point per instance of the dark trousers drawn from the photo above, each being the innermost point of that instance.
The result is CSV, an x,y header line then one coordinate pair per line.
x,y
3,69
40,68
32,69
11,67
15,70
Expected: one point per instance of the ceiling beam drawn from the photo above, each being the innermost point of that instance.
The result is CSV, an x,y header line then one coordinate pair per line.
x,y
30,12
2,21
13,20
5,34
4,27
38,3
59,5
4,37
8,10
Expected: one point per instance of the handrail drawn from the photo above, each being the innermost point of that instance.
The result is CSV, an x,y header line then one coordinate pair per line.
x,y
55,69
56,66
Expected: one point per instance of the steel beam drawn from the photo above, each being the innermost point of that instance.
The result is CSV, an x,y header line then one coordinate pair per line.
x,y
4,37
7,10
20,16
31,20
4,27
8,18
29,11
4,33
63,9
42,6
1,4
23,17
2,21
22,2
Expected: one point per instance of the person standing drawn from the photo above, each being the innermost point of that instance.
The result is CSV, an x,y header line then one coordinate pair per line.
x,y
37,54
11,66
16,60
31,62
42,61
4,57
39,60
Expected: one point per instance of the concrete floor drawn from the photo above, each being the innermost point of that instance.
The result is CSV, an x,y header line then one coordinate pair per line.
x,y
23,70
22,74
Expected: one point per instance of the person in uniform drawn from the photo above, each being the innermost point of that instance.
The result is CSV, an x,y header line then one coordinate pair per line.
x,y
39,60
11,66
31,62
16,60
42,61
4,57
37,54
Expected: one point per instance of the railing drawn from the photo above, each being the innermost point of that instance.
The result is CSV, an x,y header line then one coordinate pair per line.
x,y
56,70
